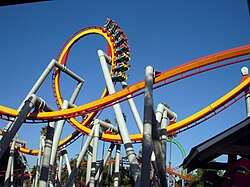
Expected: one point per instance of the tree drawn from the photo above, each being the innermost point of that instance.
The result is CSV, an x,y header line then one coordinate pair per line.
x,y
125,178
107,179
196,178
19,167
44,131
107,120
206,177
166,105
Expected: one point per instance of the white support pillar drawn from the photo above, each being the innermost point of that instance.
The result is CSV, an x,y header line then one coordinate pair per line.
x,y
107,156
79,159
12,173
89,160
34,89
163,136
60,168
134,109
162,113
94,157
57,135
7,180
39,159
244,72
134,166
117,165
67,162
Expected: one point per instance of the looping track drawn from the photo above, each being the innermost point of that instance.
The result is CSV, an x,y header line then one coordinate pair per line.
x,y
169,76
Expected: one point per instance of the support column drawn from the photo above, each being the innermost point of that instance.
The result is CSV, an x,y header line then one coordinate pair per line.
x,y
147,128
134,109
106,125
65,154
158,151
38,163
59,174
99,171
55,142
7,180
76,92
163,137
117,165
57,135
26,165
153,136
8,136
33,90
94,157
89,161
134,167
244,72
46,155
170,152
79,159
12,172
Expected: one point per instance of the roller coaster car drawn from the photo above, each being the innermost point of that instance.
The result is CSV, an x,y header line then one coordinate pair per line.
x,y
119,77
113,28
109,23
122,67
122,40
123,49
122,58
118,33
124,36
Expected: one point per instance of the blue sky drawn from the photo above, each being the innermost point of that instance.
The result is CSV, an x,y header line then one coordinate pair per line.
x,y
163,34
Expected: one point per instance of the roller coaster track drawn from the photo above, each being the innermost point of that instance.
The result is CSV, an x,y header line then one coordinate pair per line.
x,y
177,73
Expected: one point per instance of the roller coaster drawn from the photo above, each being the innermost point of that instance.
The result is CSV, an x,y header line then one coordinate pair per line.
x,y
115,65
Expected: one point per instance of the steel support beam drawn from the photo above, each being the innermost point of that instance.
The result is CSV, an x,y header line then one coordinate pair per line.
x,y
134,166
147,128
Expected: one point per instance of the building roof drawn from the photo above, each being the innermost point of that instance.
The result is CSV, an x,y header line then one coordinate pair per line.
x,y
232,142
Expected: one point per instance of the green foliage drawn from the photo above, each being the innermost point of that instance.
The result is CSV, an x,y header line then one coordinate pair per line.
x,y
124,116
125,178
107,120
206,177
81,175
44,130
196,179
106,176
166,105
